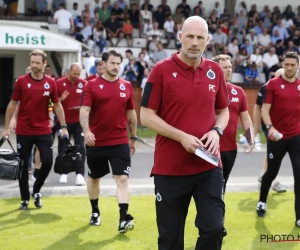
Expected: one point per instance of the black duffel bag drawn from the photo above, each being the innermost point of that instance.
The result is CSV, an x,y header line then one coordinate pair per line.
x,y
11,166
68,158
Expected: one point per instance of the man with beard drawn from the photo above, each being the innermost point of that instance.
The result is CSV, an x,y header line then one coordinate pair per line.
x,y
280,113
107,109
185,102
70,90
34,91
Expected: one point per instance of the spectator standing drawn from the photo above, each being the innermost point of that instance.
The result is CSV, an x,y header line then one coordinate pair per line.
x,y
64,20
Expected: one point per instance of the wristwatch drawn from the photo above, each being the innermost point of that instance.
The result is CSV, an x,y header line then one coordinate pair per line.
x,y
219,130
64,126
134,138
269,126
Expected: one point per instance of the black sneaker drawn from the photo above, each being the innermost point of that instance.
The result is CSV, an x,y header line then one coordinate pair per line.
x,y
37,200
261,209
126,225
95,219
24,205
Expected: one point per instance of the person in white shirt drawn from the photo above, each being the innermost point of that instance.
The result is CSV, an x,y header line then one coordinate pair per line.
x,y
153,32
75,11
169,29
252,37
233,47
144,80
64,20
269,59
256,57
94,6
218,9
87,33
264,40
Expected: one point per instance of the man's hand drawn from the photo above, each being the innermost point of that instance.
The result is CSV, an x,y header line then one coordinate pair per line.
x,y
212,140
250,149
6,133
64,133
191,143
64,96
132,147
271,132
89,138
12,124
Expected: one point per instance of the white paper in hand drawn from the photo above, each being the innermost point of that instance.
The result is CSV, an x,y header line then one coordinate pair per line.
x,y
206,155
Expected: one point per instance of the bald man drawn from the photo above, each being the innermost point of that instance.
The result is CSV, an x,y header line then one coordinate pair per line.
x,y
257,122
185,102
70,89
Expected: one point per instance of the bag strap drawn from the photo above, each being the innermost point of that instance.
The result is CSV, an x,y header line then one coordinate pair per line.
x,y
66,144
3,139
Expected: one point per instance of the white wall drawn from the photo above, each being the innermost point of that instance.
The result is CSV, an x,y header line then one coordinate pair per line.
x,y
209,5
21,61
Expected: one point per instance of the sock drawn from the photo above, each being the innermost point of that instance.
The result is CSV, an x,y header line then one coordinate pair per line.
x,y
36,173
95,208
123,210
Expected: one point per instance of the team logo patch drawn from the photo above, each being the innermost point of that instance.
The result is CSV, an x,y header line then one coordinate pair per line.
x,y
18,146
234,92
158,197
210,74
122,87
299,87
46,85
80,85
271,156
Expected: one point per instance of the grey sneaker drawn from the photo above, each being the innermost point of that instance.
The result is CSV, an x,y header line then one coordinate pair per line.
x,y
278,187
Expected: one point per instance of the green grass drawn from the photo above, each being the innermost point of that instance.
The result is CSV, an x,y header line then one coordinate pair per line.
x,y
144,132
62,224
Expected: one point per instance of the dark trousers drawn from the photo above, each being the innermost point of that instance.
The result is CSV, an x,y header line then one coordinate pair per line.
x,y
228,159
275,153
45,145
75,131
173,196
267,73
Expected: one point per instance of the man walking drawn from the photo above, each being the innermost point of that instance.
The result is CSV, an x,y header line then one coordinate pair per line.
x,y
277,187
106,111
34,92
237,108
280,113
70,90
185,102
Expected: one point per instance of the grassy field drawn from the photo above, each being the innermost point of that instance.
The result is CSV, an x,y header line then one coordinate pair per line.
x,y
62,224
144,132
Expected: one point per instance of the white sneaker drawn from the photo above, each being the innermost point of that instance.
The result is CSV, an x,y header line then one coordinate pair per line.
x,y
80,180
63,179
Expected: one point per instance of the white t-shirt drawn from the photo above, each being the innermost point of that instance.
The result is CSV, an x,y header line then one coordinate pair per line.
x,y
93,6
287,23
233,49
86,32
169,26
63,19
256,58
264,40
144,81
270,60
75,13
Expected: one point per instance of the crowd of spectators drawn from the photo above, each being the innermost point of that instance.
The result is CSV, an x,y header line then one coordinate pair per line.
x,y
256,40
